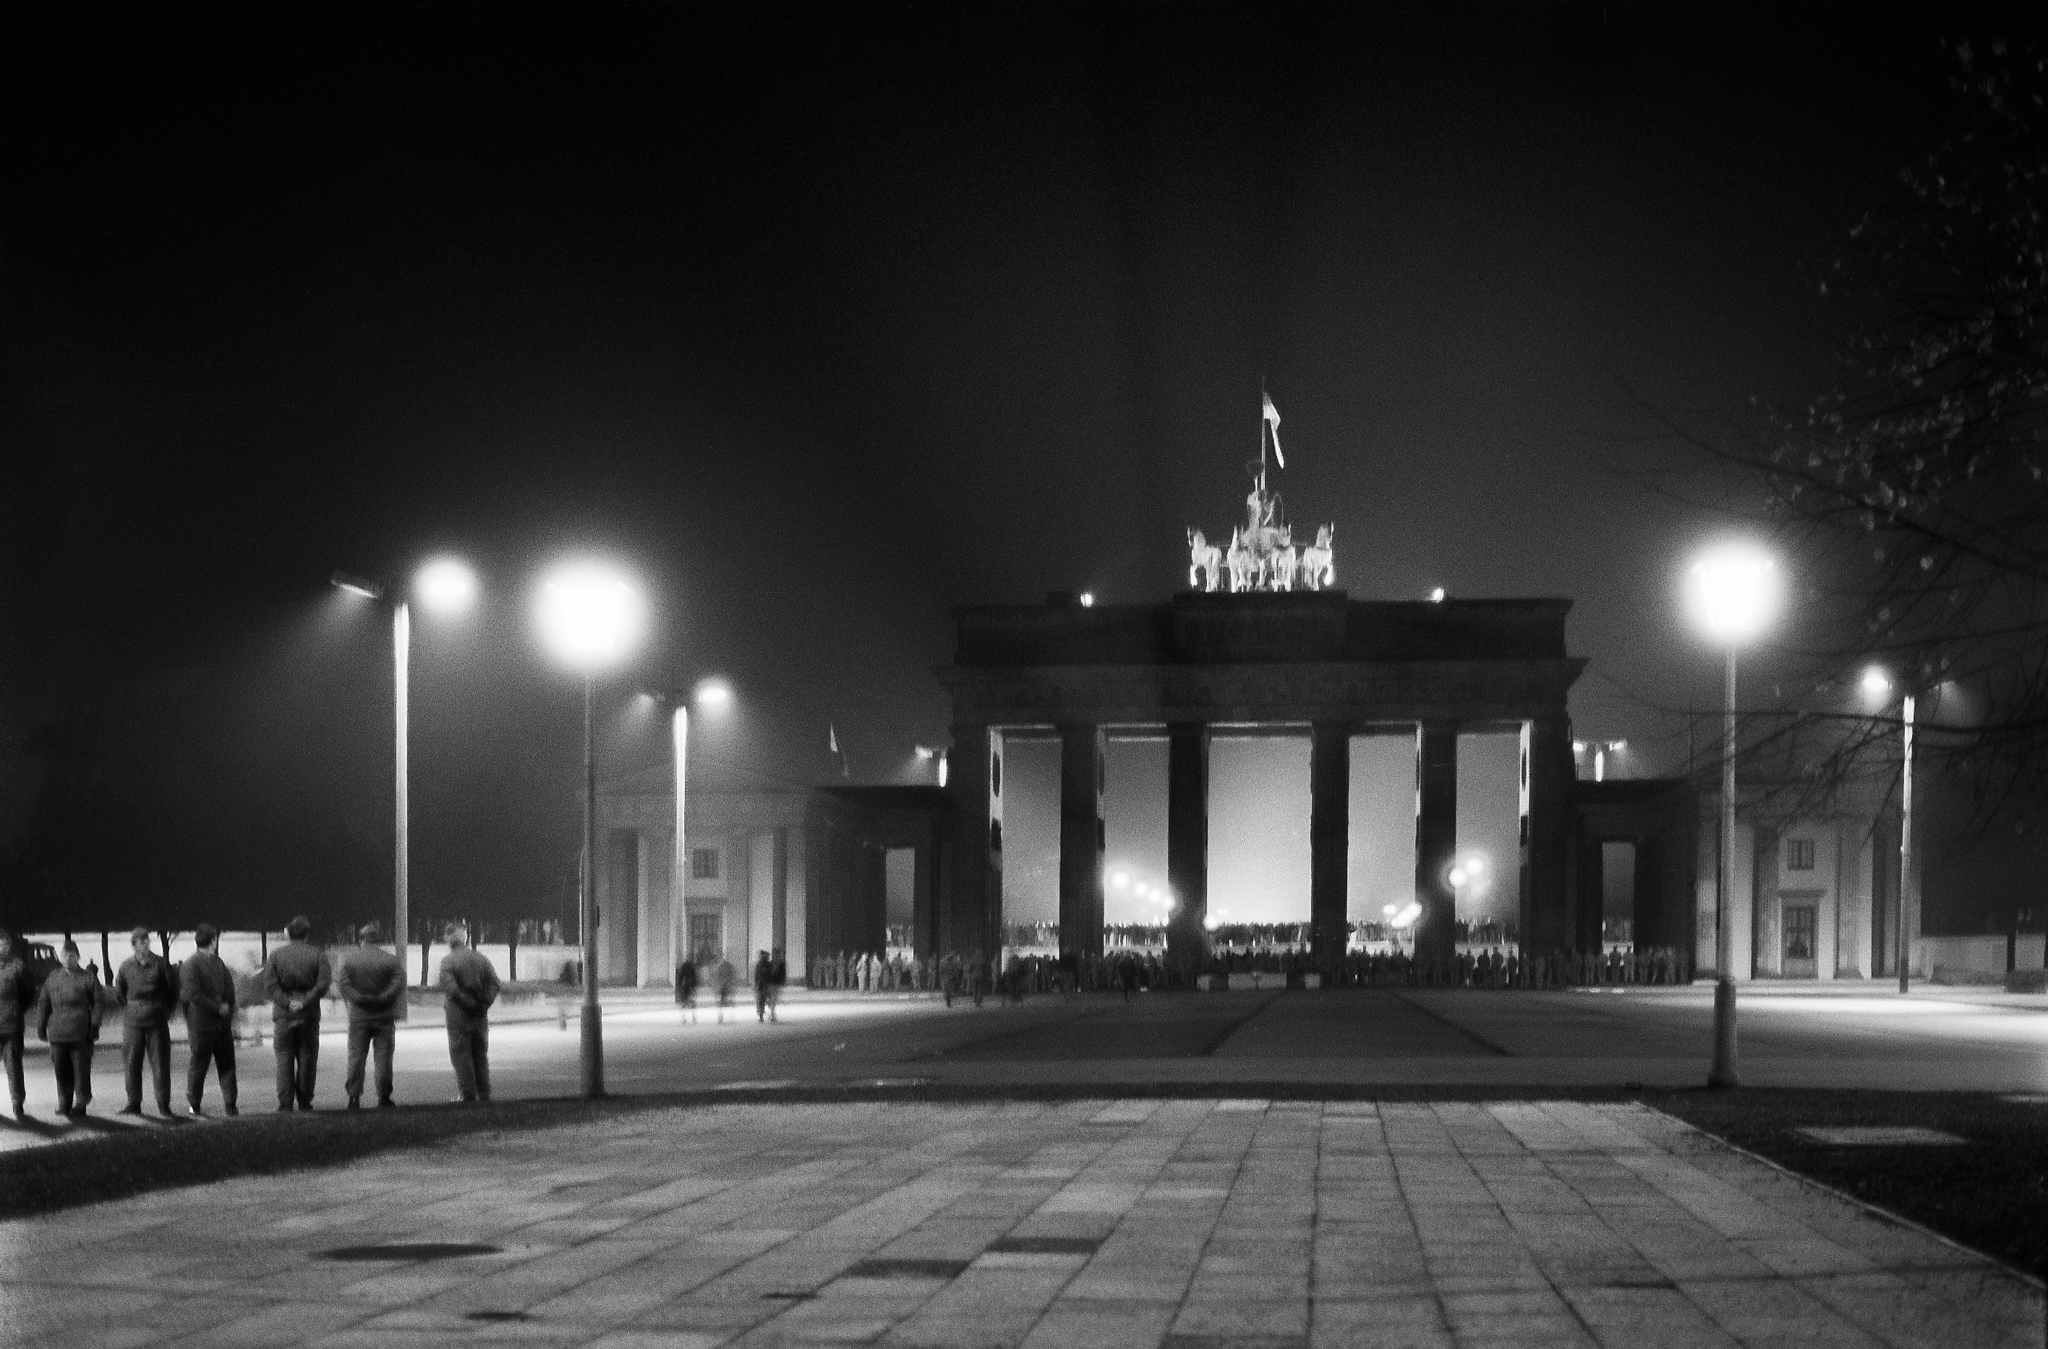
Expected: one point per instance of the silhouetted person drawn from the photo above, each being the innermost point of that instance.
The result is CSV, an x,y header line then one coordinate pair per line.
x,y
764,971
686,987
147,989
17,1002
723,977
371,980
68,1017
470,986
206,990
296,978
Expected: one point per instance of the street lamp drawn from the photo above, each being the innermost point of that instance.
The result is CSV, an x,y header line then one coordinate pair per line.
x,y
1733,593
445,585
590,616
1601,749
1877,687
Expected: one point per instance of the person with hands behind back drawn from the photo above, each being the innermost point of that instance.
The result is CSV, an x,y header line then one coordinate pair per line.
x,y
470,986
296,978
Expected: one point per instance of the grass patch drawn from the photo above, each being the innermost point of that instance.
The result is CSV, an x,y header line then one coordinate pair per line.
x,y
1990,1196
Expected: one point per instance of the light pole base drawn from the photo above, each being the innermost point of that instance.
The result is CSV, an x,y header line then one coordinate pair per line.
x,y
1722,1074
592,1055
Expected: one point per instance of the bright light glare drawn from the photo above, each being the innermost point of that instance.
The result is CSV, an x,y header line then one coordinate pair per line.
x,y
1087,599
1475,866
1457,875
446,585
1436,596
1388,911
1733,592
1119,880
588,614
1408,915
1212,922
1877,685
713,695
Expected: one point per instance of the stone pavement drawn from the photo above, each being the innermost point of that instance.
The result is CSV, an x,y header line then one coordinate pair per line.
x,y
1189,1224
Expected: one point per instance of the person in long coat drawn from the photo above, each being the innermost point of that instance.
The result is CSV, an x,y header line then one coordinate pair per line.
x,y
296,977
206,990
17,1001
68,1017
371,980
147,988
470,986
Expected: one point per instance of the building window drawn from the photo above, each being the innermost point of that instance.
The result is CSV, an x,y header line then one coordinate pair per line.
x,y
1799,931
703,864
1799,854
706,936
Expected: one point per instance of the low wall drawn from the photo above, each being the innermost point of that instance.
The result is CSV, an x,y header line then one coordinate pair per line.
x,y
1977,958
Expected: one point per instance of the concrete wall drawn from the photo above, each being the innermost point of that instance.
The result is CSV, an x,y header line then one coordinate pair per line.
x,y
1978,955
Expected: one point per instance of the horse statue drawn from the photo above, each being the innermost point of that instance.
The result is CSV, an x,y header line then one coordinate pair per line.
x,y
1276,571
1205,563
1244,565
1319,560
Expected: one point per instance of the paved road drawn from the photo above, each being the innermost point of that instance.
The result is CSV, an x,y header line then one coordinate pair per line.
x,y
1138,1224
1656,1037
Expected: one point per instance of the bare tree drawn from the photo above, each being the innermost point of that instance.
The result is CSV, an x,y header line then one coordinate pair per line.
x,y
1911,497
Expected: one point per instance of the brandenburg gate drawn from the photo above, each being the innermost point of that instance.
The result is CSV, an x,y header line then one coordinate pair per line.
x,y
1268,646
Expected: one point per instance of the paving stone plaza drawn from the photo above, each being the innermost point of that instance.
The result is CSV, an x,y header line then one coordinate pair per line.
x,y
1126,1223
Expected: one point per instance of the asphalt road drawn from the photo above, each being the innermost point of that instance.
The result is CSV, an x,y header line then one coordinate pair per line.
x,y
1933,1040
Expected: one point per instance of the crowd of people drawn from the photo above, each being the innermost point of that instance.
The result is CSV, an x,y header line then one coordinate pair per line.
x,y
70,1007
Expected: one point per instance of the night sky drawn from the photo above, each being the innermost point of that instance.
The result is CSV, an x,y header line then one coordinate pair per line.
x,y
823,320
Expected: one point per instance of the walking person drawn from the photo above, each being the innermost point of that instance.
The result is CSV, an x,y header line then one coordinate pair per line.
x,y
17,1003
295,978
68,1018
470,986
764,971
686,987
147,989
371,980
206,990
723,976
778,975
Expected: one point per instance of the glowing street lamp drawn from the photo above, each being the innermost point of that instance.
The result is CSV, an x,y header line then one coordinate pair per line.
x,y
591,617
444,586
1732,592
1877,689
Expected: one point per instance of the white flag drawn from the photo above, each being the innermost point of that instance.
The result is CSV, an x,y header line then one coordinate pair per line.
x,y
1272,415
832,736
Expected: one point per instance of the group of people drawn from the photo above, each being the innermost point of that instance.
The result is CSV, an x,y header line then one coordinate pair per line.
x,y
69,1008
771,972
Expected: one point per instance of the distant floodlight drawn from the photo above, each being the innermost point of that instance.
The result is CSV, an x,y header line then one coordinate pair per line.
x,y
1578,747
1877,685
1733,591
1457,875
1475,865
1119,880
712,694
1212,922
1408,915
356,585
1087,599
588,614
446,585
1142,889
1436,596
1388,910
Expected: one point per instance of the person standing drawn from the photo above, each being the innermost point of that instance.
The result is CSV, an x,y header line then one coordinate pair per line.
x,y
147,989
778,975
206,990
17,1001
68,1018
470,986
764,974
371,980
296,977
686,987
723,976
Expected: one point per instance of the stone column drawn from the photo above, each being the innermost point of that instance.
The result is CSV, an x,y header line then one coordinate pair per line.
x,y
1082,751
1546,901
1436,841
975,786
1329,835
1187,844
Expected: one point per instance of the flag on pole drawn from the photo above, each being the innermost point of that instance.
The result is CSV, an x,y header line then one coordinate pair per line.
x,y
832,738
1272,415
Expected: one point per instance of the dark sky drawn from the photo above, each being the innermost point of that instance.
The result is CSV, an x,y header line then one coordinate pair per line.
x,y
827,319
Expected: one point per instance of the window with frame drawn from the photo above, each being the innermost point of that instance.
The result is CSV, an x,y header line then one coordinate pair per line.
x,y
1799,854
703,864
1799,931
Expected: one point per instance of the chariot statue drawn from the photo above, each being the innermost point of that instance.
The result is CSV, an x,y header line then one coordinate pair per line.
x,y
1262,554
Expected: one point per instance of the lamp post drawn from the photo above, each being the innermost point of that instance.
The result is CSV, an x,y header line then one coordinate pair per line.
x,y
447,586
711,695
1733,592
1877,686
590,616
